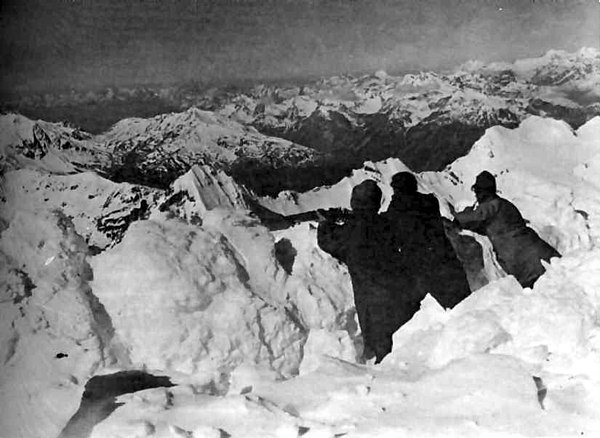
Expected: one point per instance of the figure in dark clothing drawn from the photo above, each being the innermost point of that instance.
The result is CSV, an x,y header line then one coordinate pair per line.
x,y
366,243
429,256
518,248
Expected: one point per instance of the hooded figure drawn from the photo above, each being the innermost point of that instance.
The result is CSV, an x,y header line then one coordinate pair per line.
x,y
518,248
428,254
366,243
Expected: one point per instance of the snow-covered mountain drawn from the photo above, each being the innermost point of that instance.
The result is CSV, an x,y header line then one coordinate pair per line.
x,y
156,151
50,146
426,119
137,249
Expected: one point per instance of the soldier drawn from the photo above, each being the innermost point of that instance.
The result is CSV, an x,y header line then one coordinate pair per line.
x,y
518,248
428,254
366,243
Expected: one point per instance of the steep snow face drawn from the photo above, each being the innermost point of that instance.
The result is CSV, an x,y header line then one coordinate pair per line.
x,y
49,146
203,188
182,300
53,332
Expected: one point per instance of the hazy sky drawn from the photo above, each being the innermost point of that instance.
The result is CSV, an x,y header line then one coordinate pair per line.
x,y
50,44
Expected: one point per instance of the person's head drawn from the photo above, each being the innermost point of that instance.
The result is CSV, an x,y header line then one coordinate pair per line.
x,y
485,185
404,182
366,197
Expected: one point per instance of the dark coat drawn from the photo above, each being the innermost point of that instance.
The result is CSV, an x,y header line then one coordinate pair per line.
x,y
518,248
429,254
368,246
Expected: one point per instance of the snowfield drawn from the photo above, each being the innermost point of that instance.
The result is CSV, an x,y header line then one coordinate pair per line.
x,y
256,329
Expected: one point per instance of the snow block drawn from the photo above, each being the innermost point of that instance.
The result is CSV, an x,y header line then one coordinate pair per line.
x,y
181,300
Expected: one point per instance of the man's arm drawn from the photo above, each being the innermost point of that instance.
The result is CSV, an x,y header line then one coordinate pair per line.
x,y
475,218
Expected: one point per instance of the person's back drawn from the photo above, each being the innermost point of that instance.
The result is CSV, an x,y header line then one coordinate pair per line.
x,y
418,222
428,255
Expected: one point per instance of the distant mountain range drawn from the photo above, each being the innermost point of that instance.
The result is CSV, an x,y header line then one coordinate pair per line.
x,y
272,138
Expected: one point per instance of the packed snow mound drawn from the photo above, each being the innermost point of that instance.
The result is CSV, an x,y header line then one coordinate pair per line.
x,y
49,146
53,333
181,300
541,166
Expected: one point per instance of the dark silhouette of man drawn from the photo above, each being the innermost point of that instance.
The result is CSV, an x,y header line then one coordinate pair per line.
x,y
366,243
518,248
428,255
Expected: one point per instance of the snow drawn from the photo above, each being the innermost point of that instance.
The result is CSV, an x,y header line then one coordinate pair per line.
x,y
215,137
85,197
261,343
338,195
208,188
507,361
180,300
25,143
538,167
47,311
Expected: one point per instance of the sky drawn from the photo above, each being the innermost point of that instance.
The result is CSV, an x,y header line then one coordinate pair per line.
x,y
49,45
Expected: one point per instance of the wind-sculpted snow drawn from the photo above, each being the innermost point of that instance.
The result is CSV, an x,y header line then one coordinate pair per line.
x,y
53,332
182,300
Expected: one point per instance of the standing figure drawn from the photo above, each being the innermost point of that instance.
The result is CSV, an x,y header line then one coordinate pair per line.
x,y
518,248
366,243
428,254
